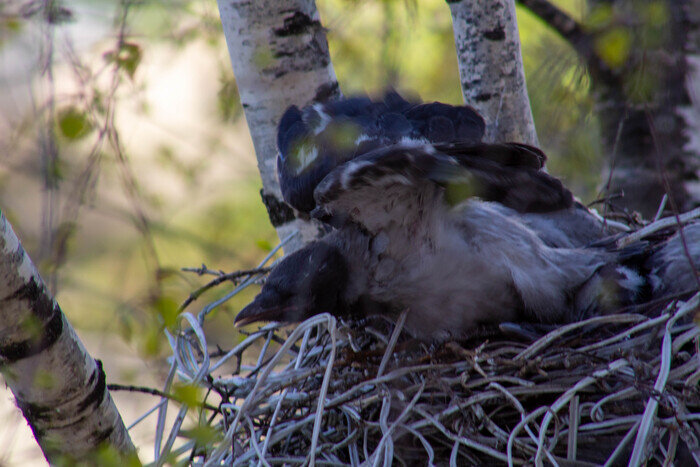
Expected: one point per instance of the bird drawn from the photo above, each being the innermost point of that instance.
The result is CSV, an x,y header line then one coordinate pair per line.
x,y
426,218
320,137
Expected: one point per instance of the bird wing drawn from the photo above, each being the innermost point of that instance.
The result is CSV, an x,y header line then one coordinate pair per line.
x,y
318,138
406,184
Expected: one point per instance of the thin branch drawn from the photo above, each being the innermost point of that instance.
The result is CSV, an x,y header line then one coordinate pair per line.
x,y
154,392
575,34
232,276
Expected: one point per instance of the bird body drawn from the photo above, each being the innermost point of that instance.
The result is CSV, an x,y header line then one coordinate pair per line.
x,y
425,218
476,266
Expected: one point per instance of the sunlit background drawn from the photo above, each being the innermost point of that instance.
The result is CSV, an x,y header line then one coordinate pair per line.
x,y
122,164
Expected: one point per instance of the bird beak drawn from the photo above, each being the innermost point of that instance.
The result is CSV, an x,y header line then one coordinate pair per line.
x,y
256,312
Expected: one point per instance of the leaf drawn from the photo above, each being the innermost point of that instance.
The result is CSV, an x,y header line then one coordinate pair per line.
x,y
204,435
128,57
167,308
151,340
188,394
228,101
263,244
73,123
613,46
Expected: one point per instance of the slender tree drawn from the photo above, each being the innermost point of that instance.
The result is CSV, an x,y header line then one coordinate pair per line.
x,y
59,387
491,67
279,54
643,59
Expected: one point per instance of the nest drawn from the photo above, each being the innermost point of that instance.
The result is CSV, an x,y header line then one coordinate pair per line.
x,y
616,390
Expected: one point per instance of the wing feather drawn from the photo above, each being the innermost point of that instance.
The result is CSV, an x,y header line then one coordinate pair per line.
x,y
384,181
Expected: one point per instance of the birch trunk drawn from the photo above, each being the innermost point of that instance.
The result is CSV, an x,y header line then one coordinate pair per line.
x,y
60,389
491,68
647,98
279,54
648,141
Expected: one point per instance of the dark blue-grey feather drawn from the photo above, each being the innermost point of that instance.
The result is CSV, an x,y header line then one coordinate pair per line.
x,y
315,140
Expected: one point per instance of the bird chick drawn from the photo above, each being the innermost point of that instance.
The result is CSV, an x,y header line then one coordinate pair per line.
x,y
428,219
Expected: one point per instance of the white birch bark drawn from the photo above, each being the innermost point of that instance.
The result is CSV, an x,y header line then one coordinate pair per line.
x,y
491,68
59,387
279,54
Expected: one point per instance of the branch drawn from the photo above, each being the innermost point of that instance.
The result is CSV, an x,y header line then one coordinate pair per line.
x,y
574,33
557,19
59,387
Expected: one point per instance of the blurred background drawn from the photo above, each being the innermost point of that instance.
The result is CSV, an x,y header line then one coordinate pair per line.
x,y
125,156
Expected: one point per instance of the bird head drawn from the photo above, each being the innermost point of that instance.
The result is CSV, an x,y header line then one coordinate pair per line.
x,y
306,283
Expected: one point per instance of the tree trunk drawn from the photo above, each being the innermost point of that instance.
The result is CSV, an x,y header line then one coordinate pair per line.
x,y
691,113
279,54
491,68
642,58
644,132
60,389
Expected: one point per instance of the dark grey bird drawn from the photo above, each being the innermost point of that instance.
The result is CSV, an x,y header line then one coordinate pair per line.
x,y
428,219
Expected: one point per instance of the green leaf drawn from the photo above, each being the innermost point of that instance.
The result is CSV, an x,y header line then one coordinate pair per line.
x,y
263,244
613,46
204,435
188,394
128,57
73,123
167,308
228,101
600,17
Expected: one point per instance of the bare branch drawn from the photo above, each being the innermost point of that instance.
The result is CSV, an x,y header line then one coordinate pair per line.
x,y
575,34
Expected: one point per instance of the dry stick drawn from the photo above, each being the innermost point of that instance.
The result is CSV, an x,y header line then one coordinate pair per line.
x,y
548,338
516,403
523,422
247,342
399,421
232,276
324,390
466,441
207,309
574,419
596,412
620,447
662,206
275,414
196,378
656,226
426,444
153,392
220,451
254,441
566,397
646,424
392,342
684,338
626,333
671,450
629,420
163,410
613,159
